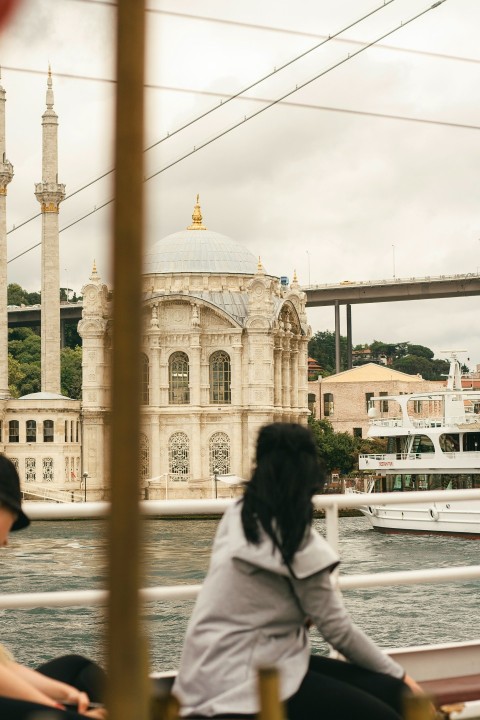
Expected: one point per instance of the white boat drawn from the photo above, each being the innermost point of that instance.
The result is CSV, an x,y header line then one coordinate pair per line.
x,y
433,443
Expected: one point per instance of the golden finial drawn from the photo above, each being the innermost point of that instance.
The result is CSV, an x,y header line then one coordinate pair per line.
x,y
197,217
295,279
259,264
94,275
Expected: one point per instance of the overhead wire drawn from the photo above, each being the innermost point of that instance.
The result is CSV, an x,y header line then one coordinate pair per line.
x,y
222,103
196,148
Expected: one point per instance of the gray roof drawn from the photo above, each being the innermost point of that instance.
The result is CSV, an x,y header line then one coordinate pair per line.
x,y
44,396
199,251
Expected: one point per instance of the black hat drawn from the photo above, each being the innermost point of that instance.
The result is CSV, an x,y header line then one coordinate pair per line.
x,y
10,495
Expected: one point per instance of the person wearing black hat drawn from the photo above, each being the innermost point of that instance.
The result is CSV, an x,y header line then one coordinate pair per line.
x,y
59,683
12,516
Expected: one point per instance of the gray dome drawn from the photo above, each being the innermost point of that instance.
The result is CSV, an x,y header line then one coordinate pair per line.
x,y
43,396
199,251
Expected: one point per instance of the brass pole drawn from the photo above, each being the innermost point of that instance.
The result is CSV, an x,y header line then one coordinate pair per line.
x,y
271,708
127,662
418,707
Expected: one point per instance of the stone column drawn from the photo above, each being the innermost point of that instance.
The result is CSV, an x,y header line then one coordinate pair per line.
x,y
277,382
6,175
237,374
294,375
154,372
50,194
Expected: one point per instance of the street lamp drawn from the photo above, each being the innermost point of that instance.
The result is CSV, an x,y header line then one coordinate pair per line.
x,y
85,476
215,479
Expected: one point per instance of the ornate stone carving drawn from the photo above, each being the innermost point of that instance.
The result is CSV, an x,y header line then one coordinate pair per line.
x,y
49,195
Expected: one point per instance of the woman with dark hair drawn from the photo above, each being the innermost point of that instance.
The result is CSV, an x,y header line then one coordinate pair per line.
x,y
268,580
69,681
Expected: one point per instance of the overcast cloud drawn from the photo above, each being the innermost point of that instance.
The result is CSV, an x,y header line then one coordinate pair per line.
x,y
334,195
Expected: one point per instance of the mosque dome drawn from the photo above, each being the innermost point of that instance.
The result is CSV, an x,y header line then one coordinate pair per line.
x,y
198,250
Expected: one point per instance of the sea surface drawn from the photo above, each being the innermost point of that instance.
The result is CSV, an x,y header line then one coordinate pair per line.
x,y
68,555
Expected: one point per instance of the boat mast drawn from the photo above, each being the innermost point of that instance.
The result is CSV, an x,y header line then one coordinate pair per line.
x,y
127,696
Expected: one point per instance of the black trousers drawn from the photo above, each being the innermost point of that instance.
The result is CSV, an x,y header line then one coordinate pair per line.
x,y
336,690
72,669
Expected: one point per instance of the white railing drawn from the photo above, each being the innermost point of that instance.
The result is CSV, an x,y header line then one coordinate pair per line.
x,y
329,503
44,492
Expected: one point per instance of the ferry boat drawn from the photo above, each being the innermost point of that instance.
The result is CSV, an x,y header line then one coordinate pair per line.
x,y
433,443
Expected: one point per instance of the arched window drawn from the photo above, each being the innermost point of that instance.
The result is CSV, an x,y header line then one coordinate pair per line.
x,y
13,431
145,393
178,377
220,377
31,431
179,456
219,454
48,431
144,457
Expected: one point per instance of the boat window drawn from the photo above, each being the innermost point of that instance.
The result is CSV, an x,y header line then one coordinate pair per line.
x,y
327,404
450,442
417,407
397,445
471,442
422,444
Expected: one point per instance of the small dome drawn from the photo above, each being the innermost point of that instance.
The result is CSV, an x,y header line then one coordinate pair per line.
x,y
198,250
44,396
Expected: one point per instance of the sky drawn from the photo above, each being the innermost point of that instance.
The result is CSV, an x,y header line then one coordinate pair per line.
x,y
368,173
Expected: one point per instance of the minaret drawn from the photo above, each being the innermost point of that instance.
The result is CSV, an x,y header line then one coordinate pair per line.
x,y
6,174
50,194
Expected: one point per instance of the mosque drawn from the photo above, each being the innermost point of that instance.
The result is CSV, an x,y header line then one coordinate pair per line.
x,y
224,351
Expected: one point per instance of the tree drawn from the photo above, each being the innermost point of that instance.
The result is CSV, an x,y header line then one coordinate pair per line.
x,y
16,295
322,348
336,449
23,378
71,374
420,351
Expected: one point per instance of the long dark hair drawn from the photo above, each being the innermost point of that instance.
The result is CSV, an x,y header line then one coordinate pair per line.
x,y
278,498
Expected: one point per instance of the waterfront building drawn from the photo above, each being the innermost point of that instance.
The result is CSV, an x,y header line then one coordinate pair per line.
x,y
224,351
343,398
40,431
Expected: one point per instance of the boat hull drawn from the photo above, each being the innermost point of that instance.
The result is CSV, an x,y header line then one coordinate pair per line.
x,y
451,518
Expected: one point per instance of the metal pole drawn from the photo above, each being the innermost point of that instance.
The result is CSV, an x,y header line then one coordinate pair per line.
x,y
337,337
349,337
271,707
127,695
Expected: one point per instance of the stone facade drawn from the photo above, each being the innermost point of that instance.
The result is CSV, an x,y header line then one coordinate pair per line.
x,y
41,433
223,353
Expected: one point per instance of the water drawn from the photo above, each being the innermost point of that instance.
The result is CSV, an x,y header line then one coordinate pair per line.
x,y
70,555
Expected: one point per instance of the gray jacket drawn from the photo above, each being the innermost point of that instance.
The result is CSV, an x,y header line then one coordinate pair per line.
x,y
251,613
